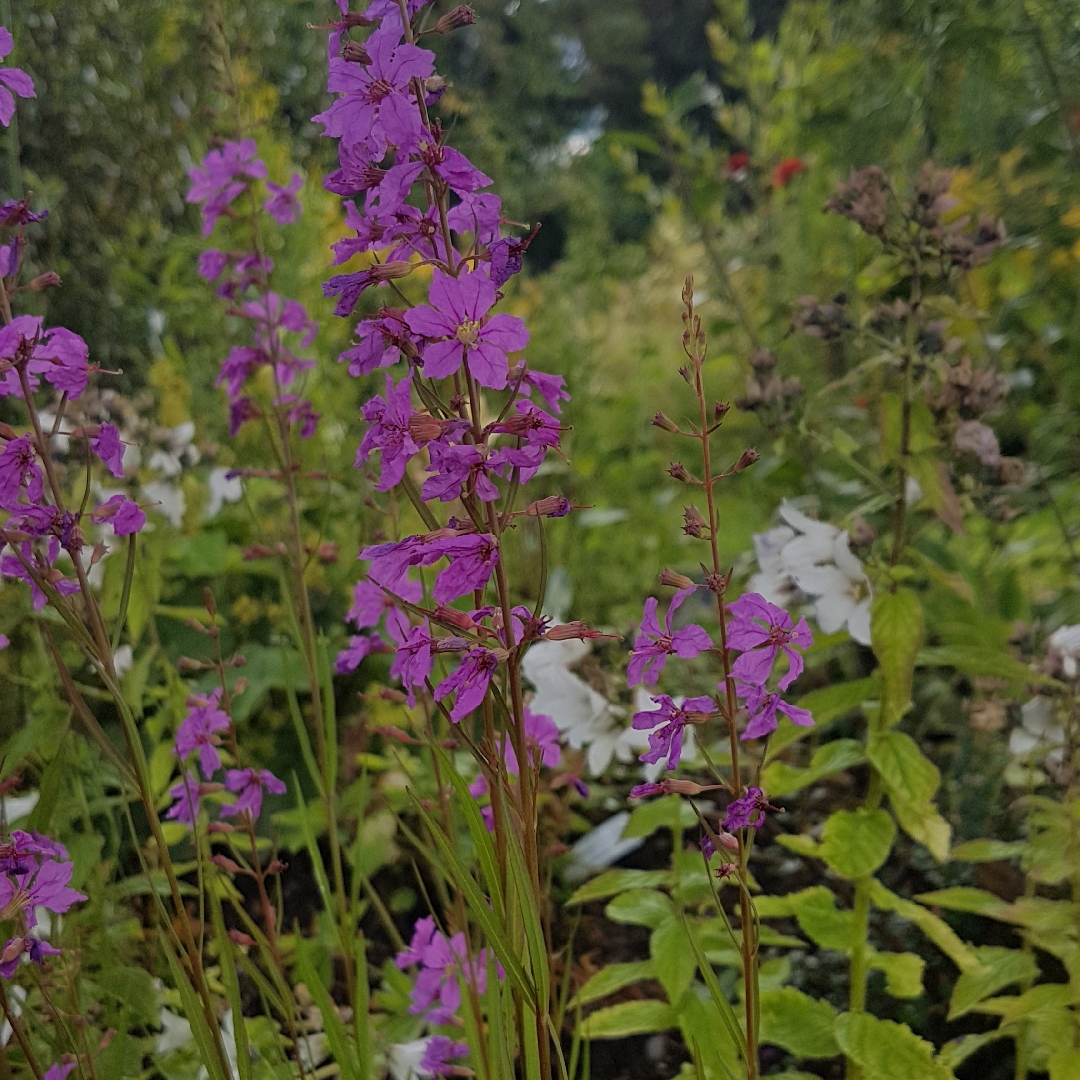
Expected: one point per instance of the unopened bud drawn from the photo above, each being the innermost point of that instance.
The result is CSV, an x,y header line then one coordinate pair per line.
x,y
575,630
662,421
327,552
106,1039
396,696
238,937
694,523
239,687
552,506
7,431
678,581
226,864
681,787
677,472
727,840
688,290
434,84
749,456
210,787
220,827
461,620
424,428
257,551
687,372
13,950
389,271
208,601
355,18
185,663
355,53
720,410
99,552
194,624
450,644
49,280
462,15
238,661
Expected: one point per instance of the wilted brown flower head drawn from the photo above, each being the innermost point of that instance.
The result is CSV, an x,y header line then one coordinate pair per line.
x,y
972,393
863,198
827,321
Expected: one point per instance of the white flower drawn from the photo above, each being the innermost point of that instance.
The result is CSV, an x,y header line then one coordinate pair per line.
x,y
169,499
1065,643
20,806
600,847
18,996
586,718
223,489
403,1060
123,659
165,463
1038,731
815,557
175,1033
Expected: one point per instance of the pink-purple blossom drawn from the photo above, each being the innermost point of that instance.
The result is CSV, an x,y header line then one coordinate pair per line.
x,y
762,707
360,646
747,811
201,731
665,726
125,516
469,682
436,994
12,80
185,795
249,785
107,445
283,205
654,644
760,631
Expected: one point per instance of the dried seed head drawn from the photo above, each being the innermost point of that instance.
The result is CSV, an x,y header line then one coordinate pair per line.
x,y
462,15
749,456
49,280
661,421
720,410
355,53
677,472
694,523
763,360
687,372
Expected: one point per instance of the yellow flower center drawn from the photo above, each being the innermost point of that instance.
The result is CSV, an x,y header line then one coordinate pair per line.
x,y
468,332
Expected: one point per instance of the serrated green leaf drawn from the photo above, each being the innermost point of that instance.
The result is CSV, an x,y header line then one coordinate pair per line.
x,y
817,915
903,973
612,978
797,1023
936,929
629,1018
906,770
780,778
616,881
670,812
997,969
964,898
856,842
826,705
888,1051
896,632
641,907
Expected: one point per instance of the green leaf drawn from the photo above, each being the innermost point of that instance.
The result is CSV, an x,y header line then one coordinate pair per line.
x,y
612,978
671,812
888,1051
1044,998
629,1018
134,989
209,1042
903,973
936,929
1064,1065
923,823
780,778
964,898
616,881
903,766
973,660
856,842
640,907
955,1053
815,909
797,1023
672,958
828,704
997,969
987,850
896,632
343,1050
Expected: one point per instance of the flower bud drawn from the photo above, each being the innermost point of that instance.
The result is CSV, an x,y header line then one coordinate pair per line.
x,y
355,18
720,410
389,271
461,620
327,552
552,506
678,581
450,644
226,864
208,601
680,787
257,551
677,472
239,687
396,696
220,827
238,661
727,840
461,16
7,432
194,624
238,937
687,372
694,523
210,787
749,456
185,663
423,428
355,53
661,421
99,552
49,280
575,630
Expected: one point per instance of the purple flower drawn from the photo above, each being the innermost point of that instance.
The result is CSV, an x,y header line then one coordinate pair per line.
x,y
17,212
360,646
377,108
389,432
249,784
645,791
185,808
440,1049
241,362
107,445
472,561
125,516
283,206
18,472
371,602
552,388
458,469
11,79
478,214
665,726
747,635
59,1071
440,960
12,566
14,949
747,812
506,260
470,681
381,342
217,181
199,732
23,846
412,659
457,329
763,706
62,358
654,644
41,886
212,264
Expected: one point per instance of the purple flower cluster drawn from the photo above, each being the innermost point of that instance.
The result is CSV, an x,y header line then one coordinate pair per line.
x,y
34,873
200,734
279,326
436,994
